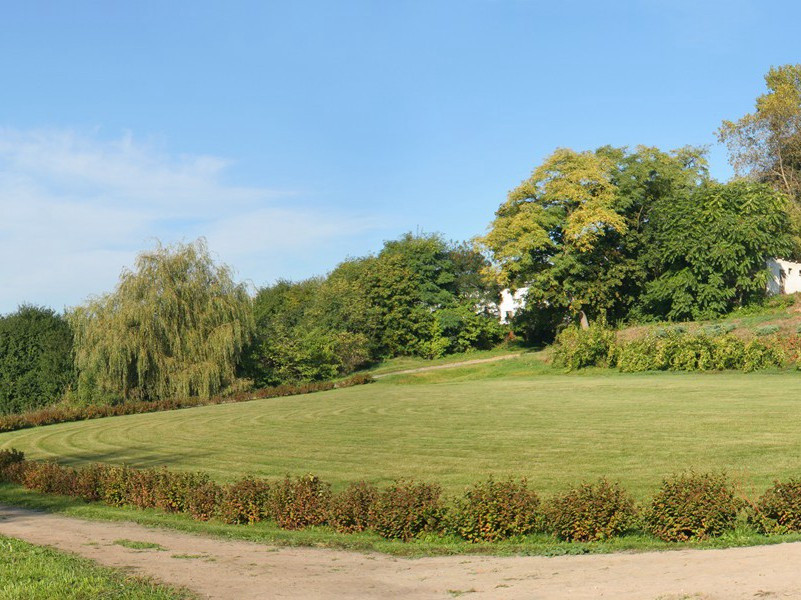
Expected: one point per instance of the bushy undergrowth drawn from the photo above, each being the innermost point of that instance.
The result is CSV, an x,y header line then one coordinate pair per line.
x,y
692,506
349,510
591,512
578,348
671,349
64,414
496,510
686,507
778,510
406,509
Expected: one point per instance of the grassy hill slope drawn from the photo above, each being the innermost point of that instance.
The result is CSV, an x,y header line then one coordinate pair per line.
x,y
517,417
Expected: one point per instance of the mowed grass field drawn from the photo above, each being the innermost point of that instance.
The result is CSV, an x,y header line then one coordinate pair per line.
x,y
457,426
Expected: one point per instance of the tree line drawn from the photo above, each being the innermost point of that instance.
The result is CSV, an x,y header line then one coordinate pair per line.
x,y
613,234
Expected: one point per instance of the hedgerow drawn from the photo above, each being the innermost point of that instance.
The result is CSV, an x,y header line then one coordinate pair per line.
x,y
671,349
64,414
688,506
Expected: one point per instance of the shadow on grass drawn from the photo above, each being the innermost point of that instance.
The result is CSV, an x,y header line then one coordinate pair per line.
x,y
324,537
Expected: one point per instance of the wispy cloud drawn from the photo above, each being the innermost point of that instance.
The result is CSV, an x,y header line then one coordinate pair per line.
x,y
75,209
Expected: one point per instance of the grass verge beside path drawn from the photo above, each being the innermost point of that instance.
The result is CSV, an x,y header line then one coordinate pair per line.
x,y
324,537
40,573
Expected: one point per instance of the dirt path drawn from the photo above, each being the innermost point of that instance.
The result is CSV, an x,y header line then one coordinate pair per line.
x,y
241,570
462,363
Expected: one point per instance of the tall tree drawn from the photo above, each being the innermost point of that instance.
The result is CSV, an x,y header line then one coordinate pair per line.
x,y
708,249
174,327
573,231
35,359
766,145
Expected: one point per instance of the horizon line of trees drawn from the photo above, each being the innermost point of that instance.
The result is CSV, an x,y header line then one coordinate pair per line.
x,y
612,234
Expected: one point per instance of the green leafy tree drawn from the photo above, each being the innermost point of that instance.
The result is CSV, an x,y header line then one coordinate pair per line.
x,y
291,344
35,359
174,327
708,249
574,231
766,145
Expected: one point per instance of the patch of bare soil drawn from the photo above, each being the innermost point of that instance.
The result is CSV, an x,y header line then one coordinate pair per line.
x,y
241,570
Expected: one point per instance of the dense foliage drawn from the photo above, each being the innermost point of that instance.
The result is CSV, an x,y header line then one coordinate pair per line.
x,y
174,327
35,359
686,507
671,349
418,296
591,512
637,235
765,145
692,506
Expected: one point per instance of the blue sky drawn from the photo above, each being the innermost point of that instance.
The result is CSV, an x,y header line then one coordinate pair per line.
x,y
293,134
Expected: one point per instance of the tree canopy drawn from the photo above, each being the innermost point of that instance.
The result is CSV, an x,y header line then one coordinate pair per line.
x,y
174,327
616,234
35,358
766,145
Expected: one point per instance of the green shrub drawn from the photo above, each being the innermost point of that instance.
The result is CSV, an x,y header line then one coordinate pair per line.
x,y
766,330
759,355
696,352
349,510
301,502
175,487
692,506
406,509
495,510
578,348
718,329
245,502
778,510
590,512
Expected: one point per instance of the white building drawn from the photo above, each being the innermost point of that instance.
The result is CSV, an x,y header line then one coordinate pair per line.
x,y
511,303
785,277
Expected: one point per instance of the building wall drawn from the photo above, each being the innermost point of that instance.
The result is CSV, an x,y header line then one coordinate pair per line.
x,y
785,277
511,303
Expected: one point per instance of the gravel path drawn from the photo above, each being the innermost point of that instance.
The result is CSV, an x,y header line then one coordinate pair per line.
x,y
462,363
232,569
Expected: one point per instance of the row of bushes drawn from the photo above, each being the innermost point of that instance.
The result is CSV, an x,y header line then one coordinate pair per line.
x,y
686,507
664,350
66,413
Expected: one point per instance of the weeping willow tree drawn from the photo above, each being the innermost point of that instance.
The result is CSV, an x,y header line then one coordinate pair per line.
x,y
174,327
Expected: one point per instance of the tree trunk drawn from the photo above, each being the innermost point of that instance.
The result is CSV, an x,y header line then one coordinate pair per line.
x,y
585,323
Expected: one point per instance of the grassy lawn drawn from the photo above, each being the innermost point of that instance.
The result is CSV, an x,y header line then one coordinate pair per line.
x,y
37,573
402,363
516,417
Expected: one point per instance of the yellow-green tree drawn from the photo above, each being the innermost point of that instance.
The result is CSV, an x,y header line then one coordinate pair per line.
x,y
766,145
174,327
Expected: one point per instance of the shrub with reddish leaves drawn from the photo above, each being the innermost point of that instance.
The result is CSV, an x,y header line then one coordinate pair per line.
x,y
301,502
175,487
64,414
245,502
407,509
203,501
349,510
10,457
692,506
778,510
495,510
590,512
